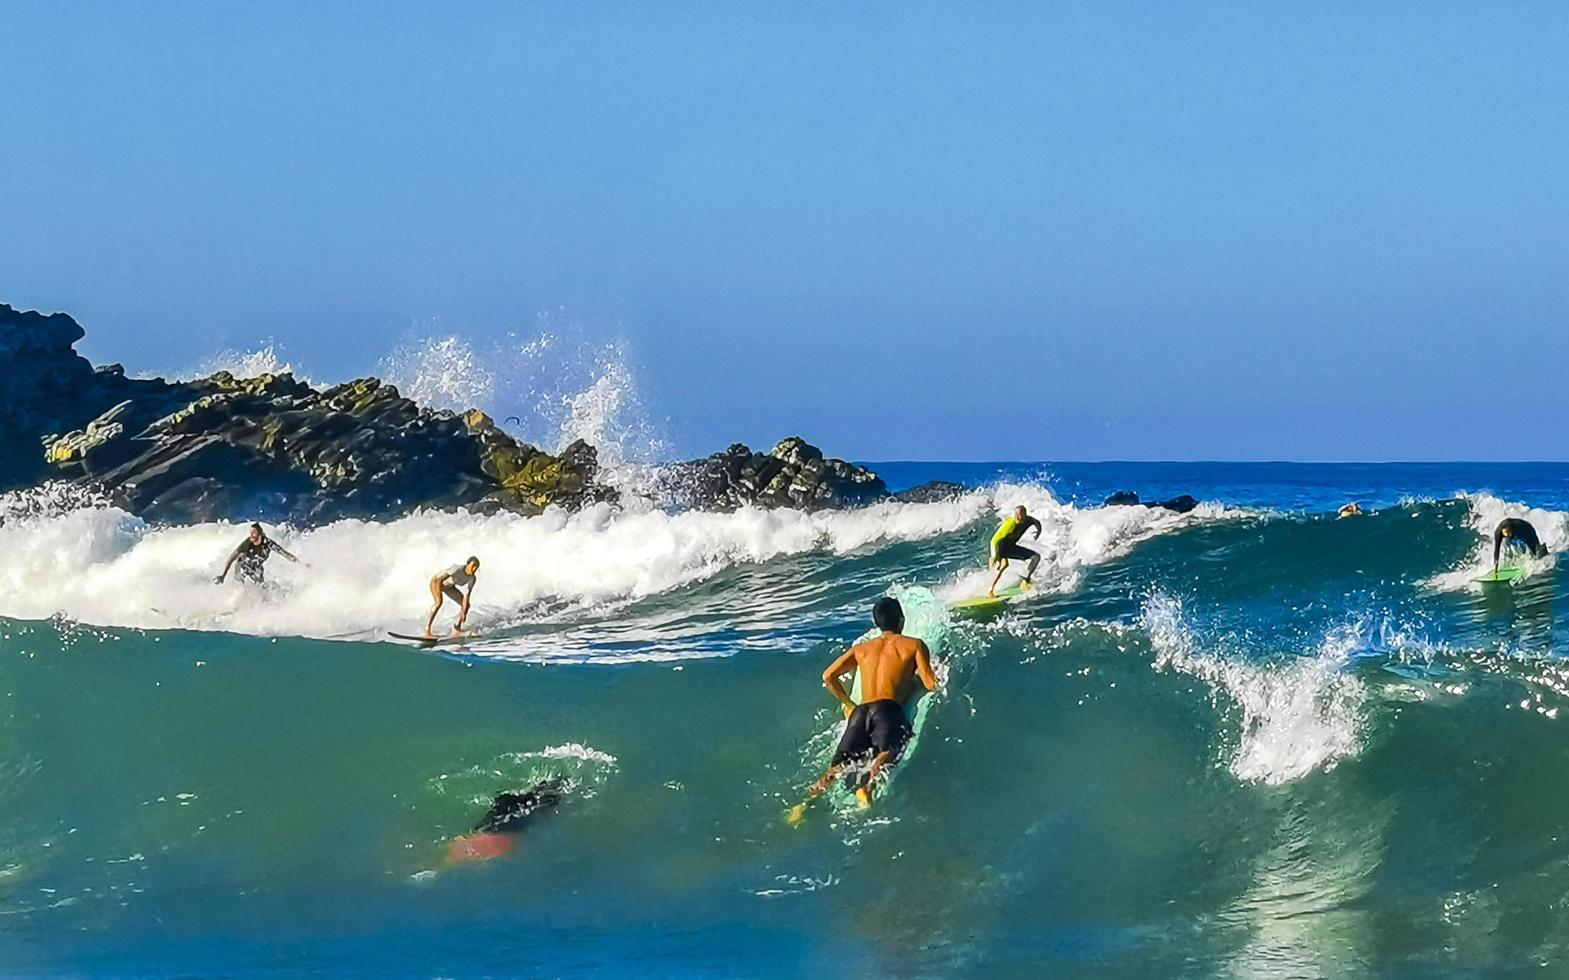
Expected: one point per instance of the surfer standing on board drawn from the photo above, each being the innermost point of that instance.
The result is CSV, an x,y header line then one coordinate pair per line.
x,y
446,585
1005,545
877,728
252,555
1518,533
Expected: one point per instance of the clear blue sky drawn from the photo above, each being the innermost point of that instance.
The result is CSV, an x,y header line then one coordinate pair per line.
x,y
1097,230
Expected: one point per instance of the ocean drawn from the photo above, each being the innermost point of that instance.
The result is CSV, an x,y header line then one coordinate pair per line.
x,y
1247,741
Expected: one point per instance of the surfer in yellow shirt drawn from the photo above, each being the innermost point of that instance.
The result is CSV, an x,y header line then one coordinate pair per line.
x,y
1005,545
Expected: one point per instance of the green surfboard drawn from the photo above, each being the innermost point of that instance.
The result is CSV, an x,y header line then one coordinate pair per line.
x,y
985,604
1505,573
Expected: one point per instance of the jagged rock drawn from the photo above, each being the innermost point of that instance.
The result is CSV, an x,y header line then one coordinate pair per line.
x,y
795,474
931,492
1180,504
273,447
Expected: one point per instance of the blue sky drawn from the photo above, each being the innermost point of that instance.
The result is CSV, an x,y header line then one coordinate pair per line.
x,y
1060,231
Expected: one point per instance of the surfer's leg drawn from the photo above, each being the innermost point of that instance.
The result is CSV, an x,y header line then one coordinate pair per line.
x,y
1029,573
1002,566
435,593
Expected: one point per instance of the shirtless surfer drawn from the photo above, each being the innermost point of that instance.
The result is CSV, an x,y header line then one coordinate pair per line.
x,y
446,585
877,728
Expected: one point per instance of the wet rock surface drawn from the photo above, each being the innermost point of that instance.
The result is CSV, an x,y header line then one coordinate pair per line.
x,y
273,447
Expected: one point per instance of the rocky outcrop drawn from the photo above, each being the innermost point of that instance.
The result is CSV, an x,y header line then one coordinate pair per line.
x,y
931,492
275,448
268,447
794,474
1180,504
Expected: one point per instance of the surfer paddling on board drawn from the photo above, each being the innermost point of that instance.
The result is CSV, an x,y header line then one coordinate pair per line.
x,y
446,585
878,729
252,555
1518,534
1005,545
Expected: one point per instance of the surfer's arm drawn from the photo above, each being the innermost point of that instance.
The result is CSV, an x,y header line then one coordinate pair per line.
x,y
1037,528
923,665
279,549
1498,542
1002,532
833,679
233,556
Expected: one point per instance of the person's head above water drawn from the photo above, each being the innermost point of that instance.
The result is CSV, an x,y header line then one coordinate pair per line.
x,y
256,534
472,565
888,615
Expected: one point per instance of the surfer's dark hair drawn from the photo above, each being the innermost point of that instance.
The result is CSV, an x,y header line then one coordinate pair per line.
x,y
507,813
472,561
258,529
888,614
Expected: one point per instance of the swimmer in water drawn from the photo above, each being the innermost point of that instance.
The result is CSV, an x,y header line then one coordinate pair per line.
x,y
493,835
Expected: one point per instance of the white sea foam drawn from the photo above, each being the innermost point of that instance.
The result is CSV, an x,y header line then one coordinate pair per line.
x,y
1072,538
97,564
266,358
104,566
1486,511
1298,717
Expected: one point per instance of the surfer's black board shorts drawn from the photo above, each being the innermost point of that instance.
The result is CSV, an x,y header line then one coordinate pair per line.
x,y
874,727
1016,552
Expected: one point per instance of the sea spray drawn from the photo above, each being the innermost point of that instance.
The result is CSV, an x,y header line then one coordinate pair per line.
x,y
1297,717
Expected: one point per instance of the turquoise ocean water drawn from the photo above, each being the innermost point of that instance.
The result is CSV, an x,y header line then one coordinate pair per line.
x,y
1253,740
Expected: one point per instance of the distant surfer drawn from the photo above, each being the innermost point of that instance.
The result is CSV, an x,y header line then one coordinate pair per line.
x,y
493,835
1352,509
877,729
1005,545
252,556
447,585
1519,534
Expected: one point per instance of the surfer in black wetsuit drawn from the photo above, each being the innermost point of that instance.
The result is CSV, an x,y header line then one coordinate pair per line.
x,y
252,555
1519,534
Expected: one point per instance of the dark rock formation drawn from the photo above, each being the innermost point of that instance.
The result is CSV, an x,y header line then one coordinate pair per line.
x,y
269,447
1181,504
931,492
275,448
795,474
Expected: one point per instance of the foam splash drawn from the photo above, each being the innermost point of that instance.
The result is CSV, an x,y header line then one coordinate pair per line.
x,y
1486,512
1298,717
266,358
439,372
550,390
1072,539
104,566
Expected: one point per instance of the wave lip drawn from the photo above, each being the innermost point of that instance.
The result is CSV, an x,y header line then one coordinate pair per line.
x,y
1297,718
